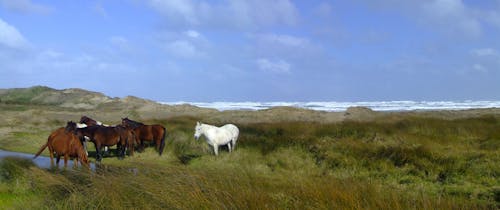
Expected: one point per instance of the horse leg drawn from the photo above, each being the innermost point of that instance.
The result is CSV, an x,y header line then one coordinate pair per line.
x,y
216,149
51,157
66,157
229,146
122,147
84,142
58,158
106,150
157,142
130,145
98,152
142,146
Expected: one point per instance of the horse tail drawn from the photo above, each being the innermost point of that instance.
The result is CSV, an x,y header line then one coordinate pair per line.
x,y
41,149
162,143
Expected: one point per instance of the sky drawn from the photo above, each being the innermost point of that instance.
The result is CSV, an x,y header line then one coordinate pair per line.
x,y
255,50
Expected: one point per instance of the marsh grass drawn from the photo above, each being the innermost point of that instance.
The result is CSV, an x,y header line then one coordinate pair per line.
x,y
407,163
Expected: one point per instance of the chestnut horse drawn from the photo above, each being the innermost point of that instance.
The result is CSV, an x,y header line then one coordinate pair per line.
x,y
62,143
103,136
155,133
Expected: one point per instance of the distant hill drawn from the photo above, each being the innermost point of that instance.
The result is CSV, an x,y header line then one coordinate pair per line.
x,y
41,95
69,98
79,99
74,101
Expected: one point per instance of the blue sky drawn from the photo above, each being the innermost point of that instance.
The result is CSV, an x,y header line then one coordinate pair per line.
x,y
255,50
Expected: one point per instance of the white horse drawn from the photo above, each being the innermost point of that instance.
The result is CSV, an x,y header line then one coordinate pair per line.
x,y
215,136
234,131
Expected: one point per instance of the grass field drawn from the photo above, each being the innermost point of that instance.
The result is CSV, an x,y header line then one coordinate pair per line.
x,y
400,163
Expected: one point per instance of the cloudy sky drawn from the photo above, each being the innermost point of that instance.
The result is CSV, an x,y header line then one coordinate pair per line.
x,y
255,50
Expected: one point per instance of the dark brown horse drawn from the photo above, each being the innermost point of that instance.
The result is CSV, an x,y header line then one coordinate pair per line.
x,y
154,133
129,136
62,143
90,122
103,136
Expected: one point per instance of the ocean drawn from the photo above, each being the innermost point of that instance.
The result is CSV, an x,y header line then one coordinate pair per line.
x,y
342,106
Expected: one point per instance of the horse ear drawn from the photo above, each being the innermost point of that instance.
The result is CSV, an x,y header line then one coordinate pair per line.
x,y
197,123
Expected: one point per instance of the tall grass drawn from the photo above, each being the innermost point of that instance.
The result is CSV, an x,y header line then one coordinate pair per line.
x,y
407,163
151,186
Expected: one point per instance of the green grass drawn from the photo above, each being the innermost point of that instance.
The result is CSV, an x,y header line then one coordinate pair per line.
x,y
404,163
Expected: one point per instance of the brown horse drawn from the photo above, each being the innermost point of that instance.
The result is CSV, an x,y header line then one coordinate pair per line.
x,y
129,136
62,143
89,121
103,136
126,133
154,133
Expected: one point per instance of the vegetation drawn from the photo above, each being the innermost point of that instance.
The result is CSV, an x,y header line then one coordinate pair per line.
x,y
23,95
396,163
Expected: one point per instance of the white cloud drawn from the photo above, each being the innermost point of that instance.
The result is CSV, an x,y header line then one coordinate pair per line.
x,y
120,43
262,12
479,68
247,15
484,60
485,52
49,54
454,15
278,66
25,6
447,16
10,36
178,10
286,40
192,33
324,9
492,17
183,48
99,9
286,47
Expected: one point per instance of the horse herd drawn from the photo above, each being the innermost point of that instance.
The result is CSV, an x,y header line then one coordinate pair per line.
x,y
70,141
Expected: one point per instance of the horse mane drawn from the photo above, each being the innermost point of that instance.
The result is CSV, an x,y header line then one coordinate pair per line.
x,y
204,124
70,126
134,123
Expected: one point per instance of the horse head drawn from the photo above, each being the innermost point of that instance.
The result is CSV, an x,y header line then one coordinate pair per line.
x,y
88,121
125,121
197,131
130,123
83,119
70,127
82,155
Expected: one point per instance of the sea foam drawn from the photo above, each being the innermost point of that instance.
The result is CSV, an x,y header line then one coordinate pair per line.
x,y
342,106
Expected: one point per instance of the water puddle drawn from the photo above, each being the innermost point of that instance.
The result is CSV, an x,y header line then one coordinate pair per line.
x,y
40,161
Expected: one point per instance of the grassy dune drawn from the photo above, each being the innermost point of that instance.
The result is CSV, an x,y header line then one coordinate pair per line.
x,y
397,163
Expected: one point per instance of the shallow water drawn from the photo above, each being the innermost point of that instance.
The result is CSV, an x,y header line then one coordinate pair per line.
x,y
40,161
